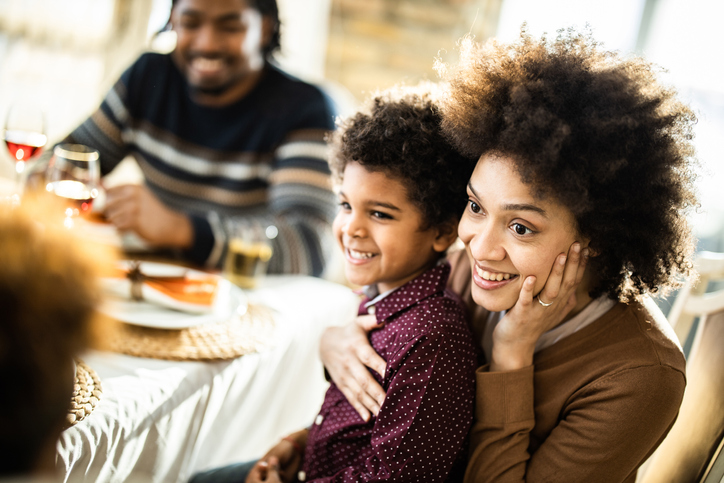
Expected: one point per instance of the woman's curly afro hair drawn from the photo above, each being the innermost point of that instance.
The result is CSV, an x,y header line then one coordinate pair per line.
x,y
597,132
399,134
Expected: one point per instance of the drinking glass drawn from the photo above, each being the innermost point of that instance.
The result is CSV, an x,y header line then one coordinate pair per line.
x,y
73,177
249,251
24,135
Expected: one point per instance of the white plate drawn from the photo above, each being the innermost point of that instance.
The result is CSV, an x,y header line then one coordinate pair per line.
x,y
230,300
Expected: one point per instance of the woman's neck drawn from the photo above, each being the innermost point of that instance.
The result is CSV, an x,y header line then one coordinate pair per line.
x,y
582,296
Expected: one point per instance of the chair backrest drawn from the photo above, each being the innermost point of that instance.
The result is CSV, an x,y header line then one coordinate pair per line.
x,y
692,300
693,449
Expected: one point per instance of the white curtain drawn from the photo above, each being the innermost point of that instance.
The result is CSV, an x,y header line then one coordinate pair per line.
x,y
63,56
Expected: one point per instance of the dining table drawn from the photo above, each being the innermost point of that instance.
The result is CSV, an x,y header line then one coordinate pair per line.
x,y
163,420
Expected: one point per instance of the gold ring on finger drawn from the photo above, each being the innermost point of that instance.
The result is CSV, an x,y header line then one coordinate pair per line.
x,y
543,303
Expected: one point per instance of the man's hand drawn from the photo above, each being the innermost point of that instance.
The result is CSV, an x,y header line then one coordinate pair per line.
x,y
345,351
135,208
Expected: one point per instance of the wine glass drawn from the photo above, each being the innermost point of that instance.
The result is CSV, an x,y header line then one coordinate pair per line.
x,y
24,135
73,176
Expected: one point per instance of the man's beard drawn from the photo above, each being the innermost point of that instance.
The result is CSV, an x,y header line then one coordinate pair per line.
x,y
217,90
212,91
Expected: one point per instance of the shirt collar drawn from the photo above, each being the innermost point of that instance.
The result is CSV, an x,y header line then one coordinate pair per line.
x,y
393,301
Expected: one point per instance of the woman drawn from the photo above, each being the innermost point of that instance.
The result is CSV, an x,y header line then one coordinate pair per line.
x,y
581,153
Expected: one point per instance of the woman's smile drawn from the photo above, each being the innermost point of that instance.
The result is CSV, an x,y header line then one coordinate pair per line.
x,y
492,275
488,279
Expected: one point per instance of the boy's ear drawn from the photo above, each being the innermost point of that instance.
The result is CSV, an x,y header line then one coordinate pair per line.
x,y
446,236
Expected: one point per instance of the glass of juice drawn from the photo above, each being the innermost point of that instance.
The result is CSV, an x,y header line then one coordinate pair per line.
x,y
249,251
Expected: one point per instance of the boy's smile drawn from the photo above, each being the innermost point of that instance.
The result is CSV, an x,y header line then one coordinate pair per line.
x,y
378,228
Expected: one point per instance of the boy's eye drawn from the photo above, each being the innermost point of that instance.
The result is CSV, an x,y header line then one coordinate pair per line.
x,y
381,215
474,207
521,229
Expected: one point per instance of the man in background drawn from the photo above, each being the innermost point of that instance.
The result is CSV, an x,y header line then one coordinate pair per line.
x,y
222,137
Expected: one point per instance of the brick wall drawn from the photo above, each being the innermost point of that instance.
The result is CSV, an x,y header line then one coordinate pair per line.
x,y
374,44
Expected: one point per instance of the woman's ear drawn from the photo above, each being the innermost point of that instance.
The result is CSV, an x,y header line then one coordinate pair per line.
x,y
447,233
592,252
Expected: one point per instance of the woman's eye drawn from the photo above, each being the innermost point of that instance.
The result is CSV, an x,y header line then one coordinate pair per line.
x,y
344,205
474,207
521,229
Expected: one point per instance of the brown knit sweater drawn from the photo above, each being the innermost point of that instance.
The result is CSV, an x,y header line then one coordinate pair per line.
x,y
591,408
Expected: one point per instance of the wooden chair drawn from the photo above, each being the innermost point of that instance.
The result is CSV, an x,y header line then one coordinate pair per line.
x,y
693,451
693,301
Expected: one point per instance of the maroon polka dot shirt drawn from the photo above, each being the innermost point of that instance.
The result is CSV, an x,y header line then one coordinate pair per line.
x,y
421,430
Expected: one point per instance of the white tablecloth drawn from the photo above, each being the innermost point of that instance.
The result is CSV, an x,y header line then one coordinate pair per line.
x,y
165,420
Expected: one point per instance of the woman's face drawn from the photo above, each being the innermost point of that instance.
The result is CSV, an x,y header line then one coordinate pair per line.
x,y
509,234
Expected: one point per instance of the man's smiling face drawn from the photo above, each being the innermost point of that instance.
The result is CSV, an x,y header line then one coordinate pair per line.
x,y
219,44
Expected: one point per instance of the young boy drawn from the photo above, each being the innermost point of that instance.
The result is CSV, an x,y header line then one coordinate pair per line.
x,y
401,195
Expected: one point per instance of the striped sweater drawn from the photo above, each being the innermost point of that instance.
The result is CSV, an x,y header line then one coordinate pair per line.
x,y
261,158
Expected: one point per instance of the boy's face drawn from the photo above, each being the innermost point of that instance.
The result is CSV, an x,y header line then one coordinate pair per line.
x,y
378,228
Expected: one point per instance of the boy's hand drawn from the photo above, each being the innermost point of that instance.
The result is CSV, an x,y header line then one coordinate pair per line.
x,y
266,472
345,351
281,463
516,335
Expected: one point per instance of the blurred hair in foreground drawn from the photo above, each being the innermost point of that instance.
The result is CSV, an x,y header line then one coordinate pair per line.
x,y
48,297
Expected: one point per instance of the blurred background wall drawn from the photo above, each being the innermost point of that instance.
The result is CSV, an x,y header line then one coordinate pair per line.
x,y
64,55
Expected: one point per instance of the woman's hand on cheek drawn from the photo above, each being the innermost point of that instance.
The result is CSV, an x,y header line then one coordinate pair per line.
x,y
515,336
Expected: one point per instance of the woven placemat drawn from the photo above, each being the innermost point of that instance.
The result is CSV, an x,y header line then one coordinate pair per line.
x,y
242,334
87,392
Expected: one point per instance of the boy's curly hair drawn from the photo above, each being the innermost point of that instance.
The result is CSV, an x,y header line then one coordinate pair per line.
x,y
597,132
399,134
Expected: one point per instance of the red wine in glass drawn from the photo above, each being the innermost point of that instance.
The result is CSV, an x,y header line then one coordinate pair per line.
x,y
73,177
24,134
23,145
74,195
